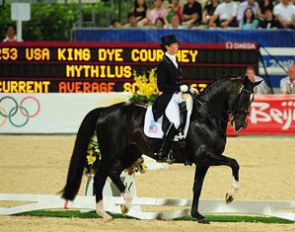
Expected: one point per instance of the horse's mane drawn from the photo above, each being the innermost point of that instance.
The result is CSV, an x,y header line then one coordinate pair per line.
x,y
215,86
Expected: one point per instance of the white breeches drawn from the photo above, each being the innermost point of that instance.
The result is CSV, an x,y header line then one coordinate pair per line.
x,y
172,111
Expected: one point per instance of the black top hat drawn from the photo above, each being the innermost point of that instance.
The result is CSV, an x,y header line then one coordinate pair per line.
x,y
168,39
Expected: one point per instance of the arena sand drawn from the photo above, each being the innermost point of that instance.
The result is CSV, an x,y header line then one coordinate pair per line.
x,y
38,164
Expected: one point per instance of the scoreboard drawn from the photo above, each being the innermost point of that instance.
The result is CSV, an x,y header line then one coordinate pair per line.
x,y
74,67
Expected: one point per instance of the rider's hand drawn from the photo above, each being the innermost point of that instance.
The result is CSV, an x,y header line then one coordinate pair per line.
x,y
193,91
183,88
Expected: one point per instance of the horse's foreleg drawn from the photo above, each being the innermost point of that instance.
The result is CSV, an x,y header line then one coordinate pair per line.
x,y
198,183
233,164
231,194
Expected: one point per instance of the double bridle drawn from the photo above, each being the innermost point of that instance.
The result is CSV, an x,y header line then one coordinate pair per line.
x,y
235,110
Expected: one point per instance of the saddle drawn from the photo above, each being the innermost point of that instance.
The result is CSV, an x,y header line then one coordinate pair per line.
x,y
178,114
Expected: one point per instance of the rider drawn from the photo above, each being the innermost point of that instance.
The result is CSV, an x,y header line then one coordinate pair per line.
x,y
169,76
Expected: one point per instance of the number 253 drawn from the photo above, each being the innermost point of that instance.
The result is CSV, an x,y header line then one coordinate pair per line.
x,y
8,53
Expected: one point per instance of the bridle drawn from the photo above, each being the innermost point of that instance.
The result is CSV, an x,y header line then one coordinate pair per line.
x,y
233,111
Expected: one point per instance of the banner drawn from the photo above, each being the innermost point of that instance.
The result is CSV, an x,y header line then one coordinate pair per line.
x,y
50,113
63,113
270,114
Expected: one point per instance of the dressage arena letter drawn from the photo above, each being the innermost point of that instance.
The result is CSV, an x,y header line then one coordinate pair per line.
x,y
73,54
110,54
37,54
98,71
85,87
24,86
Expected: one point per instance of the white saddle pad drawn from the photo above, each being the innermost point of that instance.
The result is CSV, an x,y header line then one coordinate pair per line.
x,y
153,129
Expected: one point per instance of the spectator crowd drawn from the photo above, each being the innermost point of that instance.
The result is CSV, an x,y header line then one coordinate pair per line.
x,y
178,14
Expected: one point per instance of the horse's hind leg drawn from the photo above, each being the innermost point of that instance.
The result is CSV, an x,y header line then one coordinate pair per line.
x,y
110,154
130,155
98,184
115,176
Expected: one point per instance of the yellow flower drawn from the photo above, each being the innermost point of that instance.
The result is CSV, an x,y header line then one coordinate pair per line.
x,y
146,86
91,159
143,167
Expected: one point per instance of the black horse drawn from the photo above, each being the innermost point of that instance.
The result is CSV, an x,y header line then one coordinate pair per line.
x,y
119,131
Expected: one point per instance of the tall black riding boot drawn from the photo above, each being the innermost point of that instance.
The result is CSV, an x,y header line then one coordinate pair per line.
x,y
167,144
183,115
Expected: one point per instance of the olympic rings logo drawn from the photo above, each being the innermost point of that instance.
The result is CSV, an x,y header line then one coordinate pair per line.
x,y
18,110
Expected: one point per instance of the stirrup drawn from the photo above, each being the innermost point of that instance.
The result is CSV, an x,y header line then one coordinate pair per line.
x,y
161,160
187,163
170,161
165,159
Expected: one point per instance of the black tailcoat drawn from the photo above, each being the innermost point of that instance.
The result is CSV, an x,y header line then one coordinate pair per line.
x,y
168,81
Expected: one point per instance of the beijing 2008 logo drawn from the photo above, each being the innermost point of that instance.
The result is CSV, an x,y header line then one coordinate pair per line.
x,y
18,114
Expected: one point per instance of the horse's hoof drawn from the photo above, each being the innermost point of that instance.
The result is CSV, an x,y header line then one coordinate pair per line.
x,y
200,218
107,219
203,221
229,198
124,209
105,216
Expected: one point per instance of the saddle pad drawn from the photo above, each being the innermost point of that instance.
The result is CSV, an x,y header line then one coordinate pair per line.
x,y
153,129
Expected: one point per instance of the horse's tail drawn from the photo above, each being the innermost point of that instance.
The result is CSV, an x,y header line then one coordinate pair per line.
x,y
76,167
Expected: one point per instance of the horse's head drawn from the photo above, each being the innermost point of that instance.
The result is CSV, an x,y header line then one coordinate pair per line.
x,y
240,103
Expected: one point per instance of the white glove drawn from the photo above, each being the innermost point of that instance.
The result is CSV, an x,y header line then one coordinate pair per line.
x,y
183,88
193,91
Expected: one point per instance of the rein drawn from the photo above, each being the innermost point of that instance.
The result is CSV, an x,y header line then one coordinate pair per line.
x,y
201,101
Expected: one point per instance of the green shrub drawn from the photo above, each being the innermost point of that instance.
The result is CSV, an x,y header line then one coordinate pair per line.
x,y
50,22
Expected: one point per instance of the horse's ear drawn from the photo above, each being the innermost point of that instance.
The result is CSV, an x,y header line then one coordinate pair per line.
x,y
257,82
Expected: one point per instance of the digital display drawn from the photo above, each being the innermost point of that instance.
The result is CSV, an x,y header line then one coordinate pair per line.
x,y
74,67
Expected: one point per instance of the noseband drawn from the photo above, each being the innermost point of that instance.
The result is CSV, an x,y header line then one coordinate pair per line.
x,y
235,109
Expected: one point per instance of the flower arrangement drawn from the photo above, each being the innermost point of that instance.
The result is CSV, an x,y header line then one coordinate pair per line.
x,y
147,90
94,157
138,166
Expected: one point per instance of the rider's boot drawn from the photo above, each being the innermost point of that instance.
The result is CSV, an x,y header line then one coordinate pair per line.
x,y
183,115
166,147
182,144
